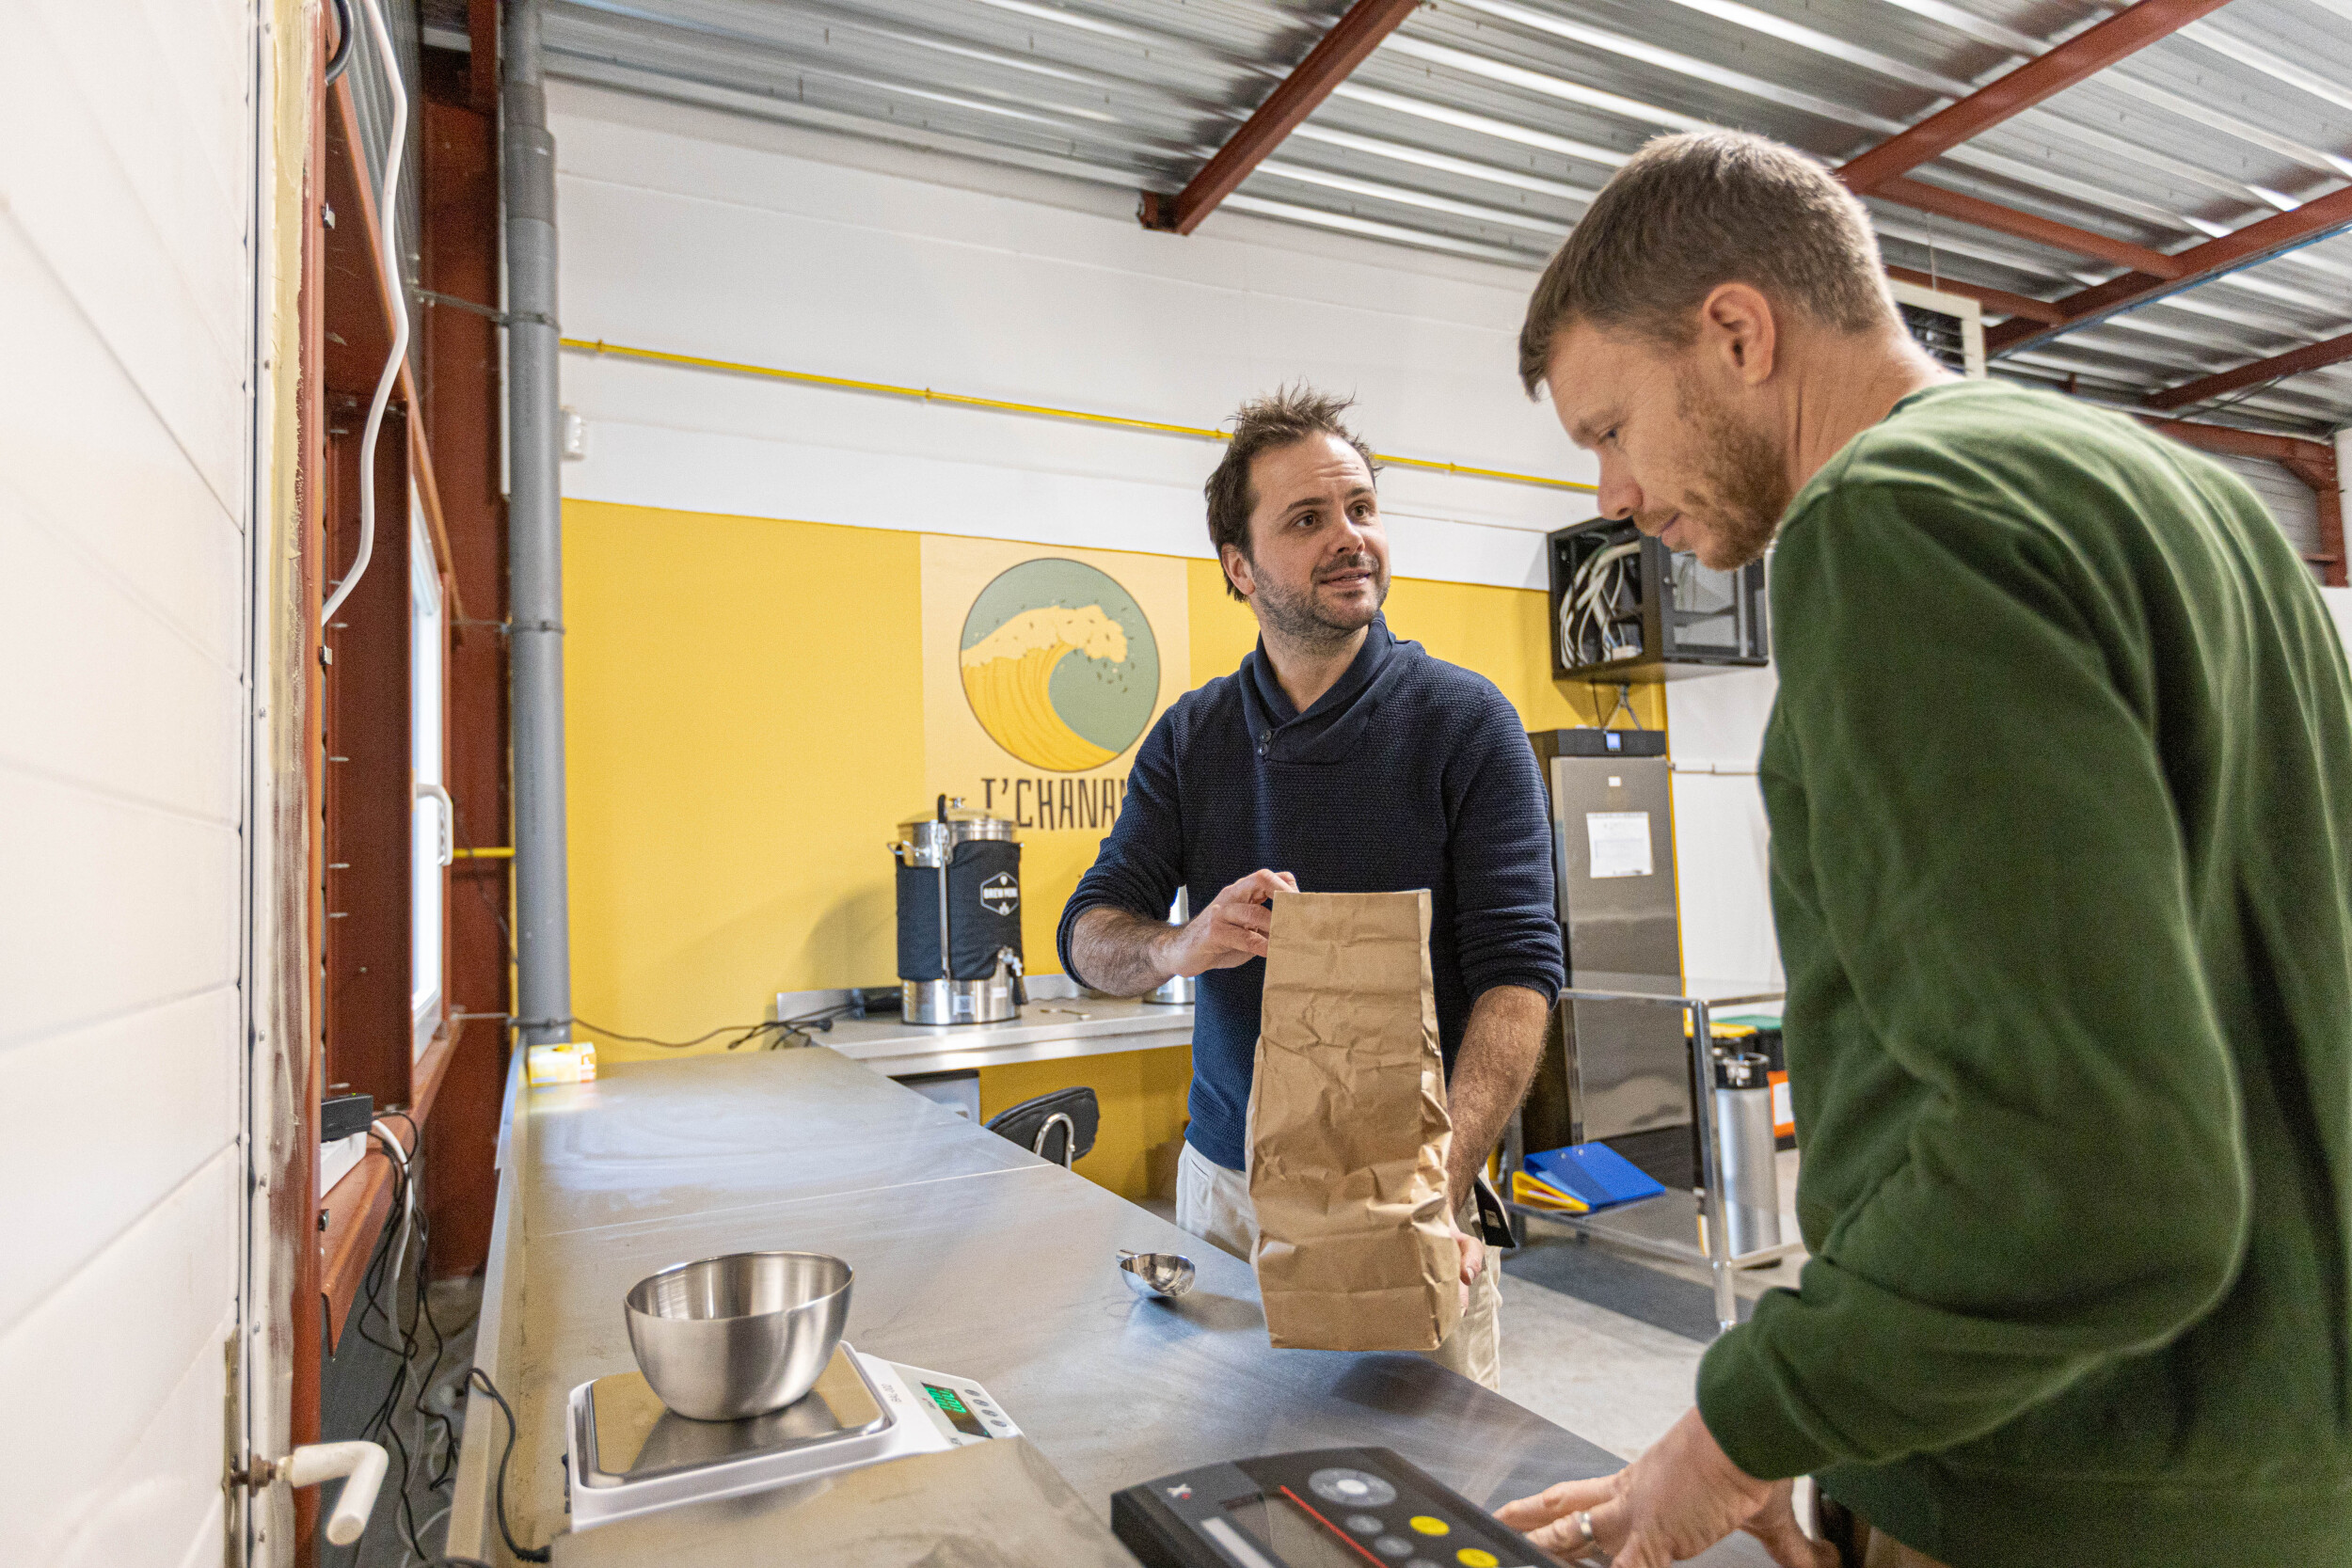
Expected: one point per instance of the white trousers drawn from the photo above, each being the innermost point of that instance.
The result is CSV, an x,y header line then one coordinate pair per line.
x,y
1213,1203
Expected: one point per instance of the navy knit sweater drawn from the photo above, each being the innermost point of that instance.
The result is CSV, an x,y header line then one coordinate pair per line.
x,y
1408,773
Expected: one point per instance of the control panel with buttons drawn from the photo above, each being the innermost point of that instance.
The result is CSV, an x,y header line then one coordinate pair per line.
x,y
1329,1508
958,1408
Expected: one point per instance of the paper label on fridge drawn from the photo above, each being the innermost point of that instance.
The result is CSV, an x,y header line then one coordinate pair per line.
x,y
1620,843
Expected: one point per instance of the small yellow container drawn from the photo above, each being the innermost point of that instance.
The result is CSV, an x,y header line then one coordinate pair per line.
x,y
566,1062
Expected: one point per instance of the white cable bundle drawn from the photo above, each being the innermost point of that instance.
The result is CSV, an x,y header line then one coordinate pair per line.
x,y
1595,598
388,260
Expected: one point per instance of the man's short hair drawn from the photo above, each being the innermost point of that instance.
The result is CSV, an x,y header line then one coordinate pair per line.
x,y
1285,415
1690,213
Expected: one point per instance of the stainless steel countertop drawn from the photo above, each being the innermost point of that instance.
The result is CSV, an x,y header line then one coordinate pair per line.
x,y
972,1256
1048,1029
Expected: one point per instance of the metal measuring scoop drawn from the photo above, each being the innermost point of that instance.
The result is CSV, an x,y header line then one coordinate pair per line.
x,y
1156,1273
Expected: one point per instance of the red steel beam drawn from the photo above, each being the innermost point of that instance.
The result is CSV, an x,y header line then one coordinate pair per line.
x,y
2290,450
1992,299
2087,52
481,61
2313,462
459,246
2245,248
2026,225
1347,46
2312,357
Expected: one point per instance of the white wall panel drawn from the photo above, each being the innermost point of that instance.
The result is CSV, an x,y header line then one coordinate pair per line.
x,y
117,1113
698,471
70,190
1721,842
82,446
1723,869
63,614
175,130
153,1505
683,233
127,146
2290,501
101,1357
113,907
2340,606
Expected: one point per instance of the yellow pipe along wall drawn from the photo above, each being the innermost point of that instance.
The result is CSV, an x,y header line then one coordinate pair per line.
x,y
744,727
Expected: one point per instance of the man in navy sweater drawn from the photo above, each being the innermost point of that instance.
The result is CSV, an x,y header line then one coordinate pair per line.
x,y
1337,759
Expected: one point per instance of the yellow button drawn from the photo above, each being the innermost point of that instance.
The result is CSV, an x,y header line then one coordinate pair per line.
x,y
1471,1557
1427,1526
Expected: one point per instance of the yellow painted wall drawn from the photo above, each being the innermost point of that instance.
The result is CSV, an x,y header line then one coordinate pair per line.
x,y
742,727
743,730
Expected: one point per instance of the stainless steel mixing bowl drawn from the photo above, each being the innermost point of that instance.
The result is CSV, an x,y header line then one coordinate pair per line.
x,y
1156,1273
728,1337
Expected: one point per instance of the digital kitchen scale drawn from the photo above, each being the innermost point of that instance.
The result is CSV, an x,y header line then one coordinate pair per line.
x,y
629,1455
1324,1508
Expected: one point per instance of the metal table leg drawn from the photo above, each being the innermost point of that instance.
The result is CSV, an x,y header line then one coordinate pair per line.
x,y
1712,1205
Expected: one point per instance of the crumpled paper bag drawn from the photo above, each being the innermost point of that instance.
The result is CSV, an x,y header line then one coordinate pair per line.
x,y
1348,1130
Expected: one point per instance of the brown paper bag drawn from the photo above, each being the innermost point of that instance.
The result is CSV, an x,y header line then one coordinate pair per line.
x,y
1348,1130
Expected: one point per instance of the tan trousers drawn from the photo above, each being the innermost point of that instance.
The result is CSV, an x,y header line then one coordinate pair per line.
x,y
1860,1547
1213,1203
1885,1551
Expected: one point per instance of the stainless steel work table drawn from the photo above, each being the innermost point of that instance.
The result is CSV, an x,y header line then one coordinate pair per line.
x,y
1049,1028
971,1255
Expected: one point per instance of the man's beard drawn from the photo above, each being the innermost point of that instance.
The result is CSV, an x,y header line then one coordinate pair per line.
x,y
1744,483
1299,618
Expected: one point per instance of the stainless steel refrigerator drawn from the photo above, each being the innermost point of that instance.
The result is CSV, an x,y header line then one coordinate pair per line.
x,y
1613,1071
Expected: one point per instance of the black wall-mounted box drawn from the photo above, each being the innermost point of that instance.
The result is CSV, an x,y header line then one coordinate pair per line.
x,y
1625,608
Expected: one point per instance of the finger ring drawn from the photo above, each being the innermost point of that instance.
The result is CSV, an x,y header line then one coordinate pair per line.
x,y
1584,1526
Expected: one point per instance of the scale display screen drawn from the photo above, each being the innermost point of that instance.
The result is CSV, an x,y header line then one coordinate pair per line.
x,y
959,1415
1297,1537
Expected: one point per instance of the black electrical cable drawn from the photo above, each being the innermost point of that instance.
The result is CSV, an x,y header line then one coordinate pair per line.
x,y
391,1253
477,1378
384,1420
745,1032
339,60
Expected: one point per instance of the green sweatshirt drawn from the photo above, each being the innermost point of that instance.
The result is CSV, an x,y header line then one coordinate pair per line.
x,y
2060,788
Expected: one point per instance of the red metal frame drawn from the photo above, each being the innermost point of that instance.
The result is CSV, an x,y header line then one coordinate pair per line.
x,y
1992,299
2313,462
2084,55
459,373
2026,225
2312,357
1349,42
2248,246
366,800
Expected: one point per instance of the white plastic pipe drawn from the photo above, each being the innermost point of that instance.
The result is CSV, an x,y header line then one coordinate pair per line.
x,y
387,261
360,1465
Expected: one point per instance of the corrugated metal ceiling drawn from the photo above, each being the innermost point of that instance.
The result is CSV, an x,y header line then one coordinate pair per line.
x,y
1481,127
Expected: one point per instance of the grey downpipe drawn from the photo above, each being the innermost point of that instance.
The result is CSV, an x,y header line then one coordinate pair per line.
x,y
535,523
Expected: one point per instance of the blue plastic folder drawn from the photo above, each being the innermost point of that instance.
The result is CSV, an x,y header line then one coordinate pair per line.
x,y
1594,1172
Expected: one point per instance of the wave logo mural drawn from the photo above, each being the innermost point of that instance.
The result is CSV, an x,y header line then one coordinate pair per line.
x,y
1059,665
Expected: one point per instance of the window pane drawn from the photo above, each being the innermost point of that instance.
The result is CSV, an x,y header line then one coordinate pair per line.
x,y
427,816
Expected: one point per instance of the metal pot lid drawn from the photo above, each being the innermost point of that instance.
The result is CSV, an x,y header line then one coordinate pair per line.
x,y
960,815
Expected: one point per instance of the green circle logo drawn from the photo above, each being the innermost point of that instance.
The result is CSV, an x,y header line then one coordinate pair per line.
x,y
1059,665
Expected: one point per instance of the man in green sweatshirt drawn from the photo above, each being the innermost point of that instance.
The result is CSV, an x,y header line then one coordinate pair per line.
x,y
2060,780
